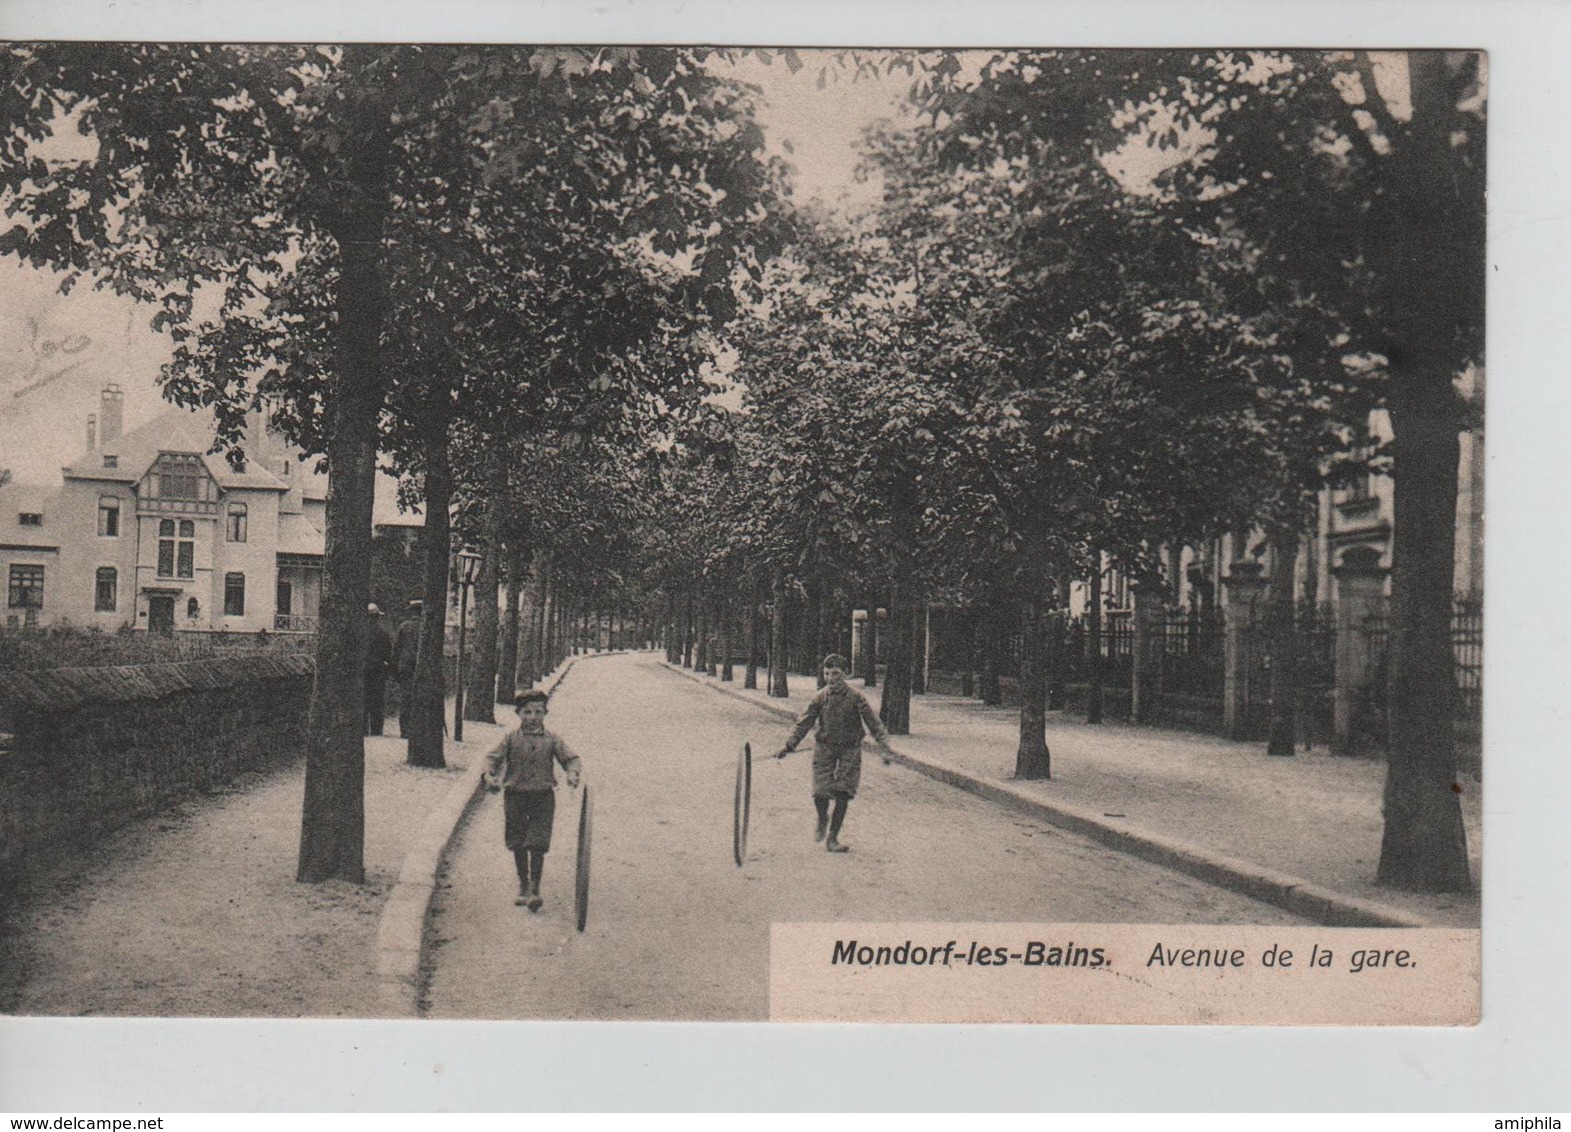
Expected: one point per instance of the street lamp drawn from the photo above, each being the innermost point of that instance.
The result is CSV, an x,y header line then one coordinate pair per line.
x,y
468,569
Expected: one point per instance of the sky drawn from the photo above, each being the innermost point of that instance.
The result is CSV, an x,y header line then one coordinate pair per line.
x,y
816,131
58,352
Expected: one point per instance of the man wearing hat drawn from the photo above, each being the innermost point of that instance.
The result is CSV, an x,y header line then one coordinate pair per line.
x,y
406,647
378,656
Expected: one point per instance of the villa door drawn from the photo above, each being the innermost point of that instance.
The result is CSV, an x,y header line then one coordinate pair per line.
x,y
161,614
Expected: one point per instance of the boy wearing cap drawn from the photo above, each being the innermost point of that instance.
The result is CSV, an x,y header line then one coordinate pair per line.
x,y
524,767
840,713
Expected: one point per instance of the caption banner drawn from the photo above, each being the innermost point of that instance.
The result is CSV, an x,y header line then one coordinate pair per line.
x,y
1159,974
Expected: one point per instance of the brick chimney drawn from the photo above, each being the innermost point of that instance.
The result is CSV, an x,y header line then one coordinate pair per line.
x,y
257,449
111,414
92,431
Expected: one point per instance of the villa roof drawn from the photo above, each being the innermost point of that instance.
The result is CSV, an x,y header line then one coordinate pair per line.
x,y
296,535
174,430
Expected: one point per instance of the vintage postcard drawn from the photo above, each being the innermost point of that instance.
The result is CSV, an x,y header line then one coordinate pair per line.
x,y
676,533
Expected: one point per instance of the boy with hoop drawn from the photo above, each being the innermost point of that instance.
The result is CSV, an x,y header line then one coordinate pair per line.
x,y
524,767
840,713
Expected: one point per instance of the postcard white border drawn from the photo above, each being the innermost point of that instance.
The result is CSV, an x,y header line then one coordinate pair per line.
x,y
1507,1063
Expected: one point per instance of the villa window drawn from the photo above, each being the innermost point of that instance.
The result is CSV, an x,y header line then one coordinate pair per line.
x,y
179,477
30,519
27,587
236,522
106,590
234,595
176,548
108,516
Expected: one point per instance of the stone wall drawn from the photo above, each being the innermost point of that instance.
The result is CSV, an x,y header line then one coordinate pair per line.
x,y
85,750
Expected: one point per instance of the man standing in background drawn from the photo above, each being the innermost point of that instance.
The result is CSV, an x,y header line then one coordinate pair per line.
x,y
378,658
406,646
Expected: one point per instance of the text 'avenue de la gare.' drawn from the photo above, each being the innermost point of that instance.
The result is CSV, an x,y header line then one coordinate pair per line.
x,y
1038,953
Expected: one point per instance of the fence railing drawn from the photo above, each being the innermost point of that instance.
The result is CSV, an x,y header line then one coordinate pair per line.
x,y
1186,661
1467,645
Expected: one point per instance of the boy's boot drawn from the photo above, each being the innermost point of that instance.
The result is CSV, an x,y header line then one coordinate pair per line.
x,y
835,823
822,806
521,856
537,860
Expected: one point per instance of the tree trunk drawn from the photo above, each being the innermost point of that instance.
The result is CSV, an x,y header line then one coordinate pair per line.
x,y
701,638
1032,759
425,715
1431,257
1094,642
989,630
895,710
968,676
823,629
1424,847
668,629
750,678
507,656
779,684
918,648
727,669
480,670
561,625
550,625
529,644
332,821
544,617
332,817
1283,735
711,637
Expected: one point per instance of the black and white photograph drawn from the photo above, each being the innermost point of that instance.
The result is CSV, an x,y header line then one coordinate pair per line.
x,y
600,532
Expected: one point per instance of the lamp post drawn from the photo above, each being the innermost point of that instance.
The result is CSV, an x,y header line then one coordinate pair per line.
x,y
468,563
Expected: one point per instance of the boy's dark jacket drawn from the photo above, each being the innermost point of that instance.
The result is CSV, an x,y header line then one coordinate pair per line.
x,y
840,712
524,761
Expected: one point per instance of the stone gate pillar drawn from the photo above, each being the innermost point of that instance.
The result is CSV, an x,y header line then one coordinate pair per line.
x,y
1244,587
1359,583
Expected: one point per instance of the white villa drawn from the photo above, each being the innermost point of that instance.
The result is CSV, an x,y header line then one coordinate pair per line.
x,y
149,531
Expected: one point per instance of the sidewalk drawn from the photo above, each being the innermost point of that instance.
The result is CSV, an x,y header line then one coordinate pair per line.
x,y
194,911
1215,808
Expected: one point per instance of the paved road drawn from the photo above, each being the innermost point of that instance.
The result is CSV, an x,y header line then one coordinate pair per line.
x,y
677,931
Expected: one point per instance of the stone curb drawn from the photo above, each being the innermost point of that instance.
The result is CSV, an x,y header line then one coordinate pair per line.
x,y
400,936
1295,895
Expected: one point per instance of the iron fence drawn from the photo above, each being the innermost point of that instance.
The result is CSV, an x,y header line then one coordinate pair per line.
x,y
1467,646
1188,653
1467,643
